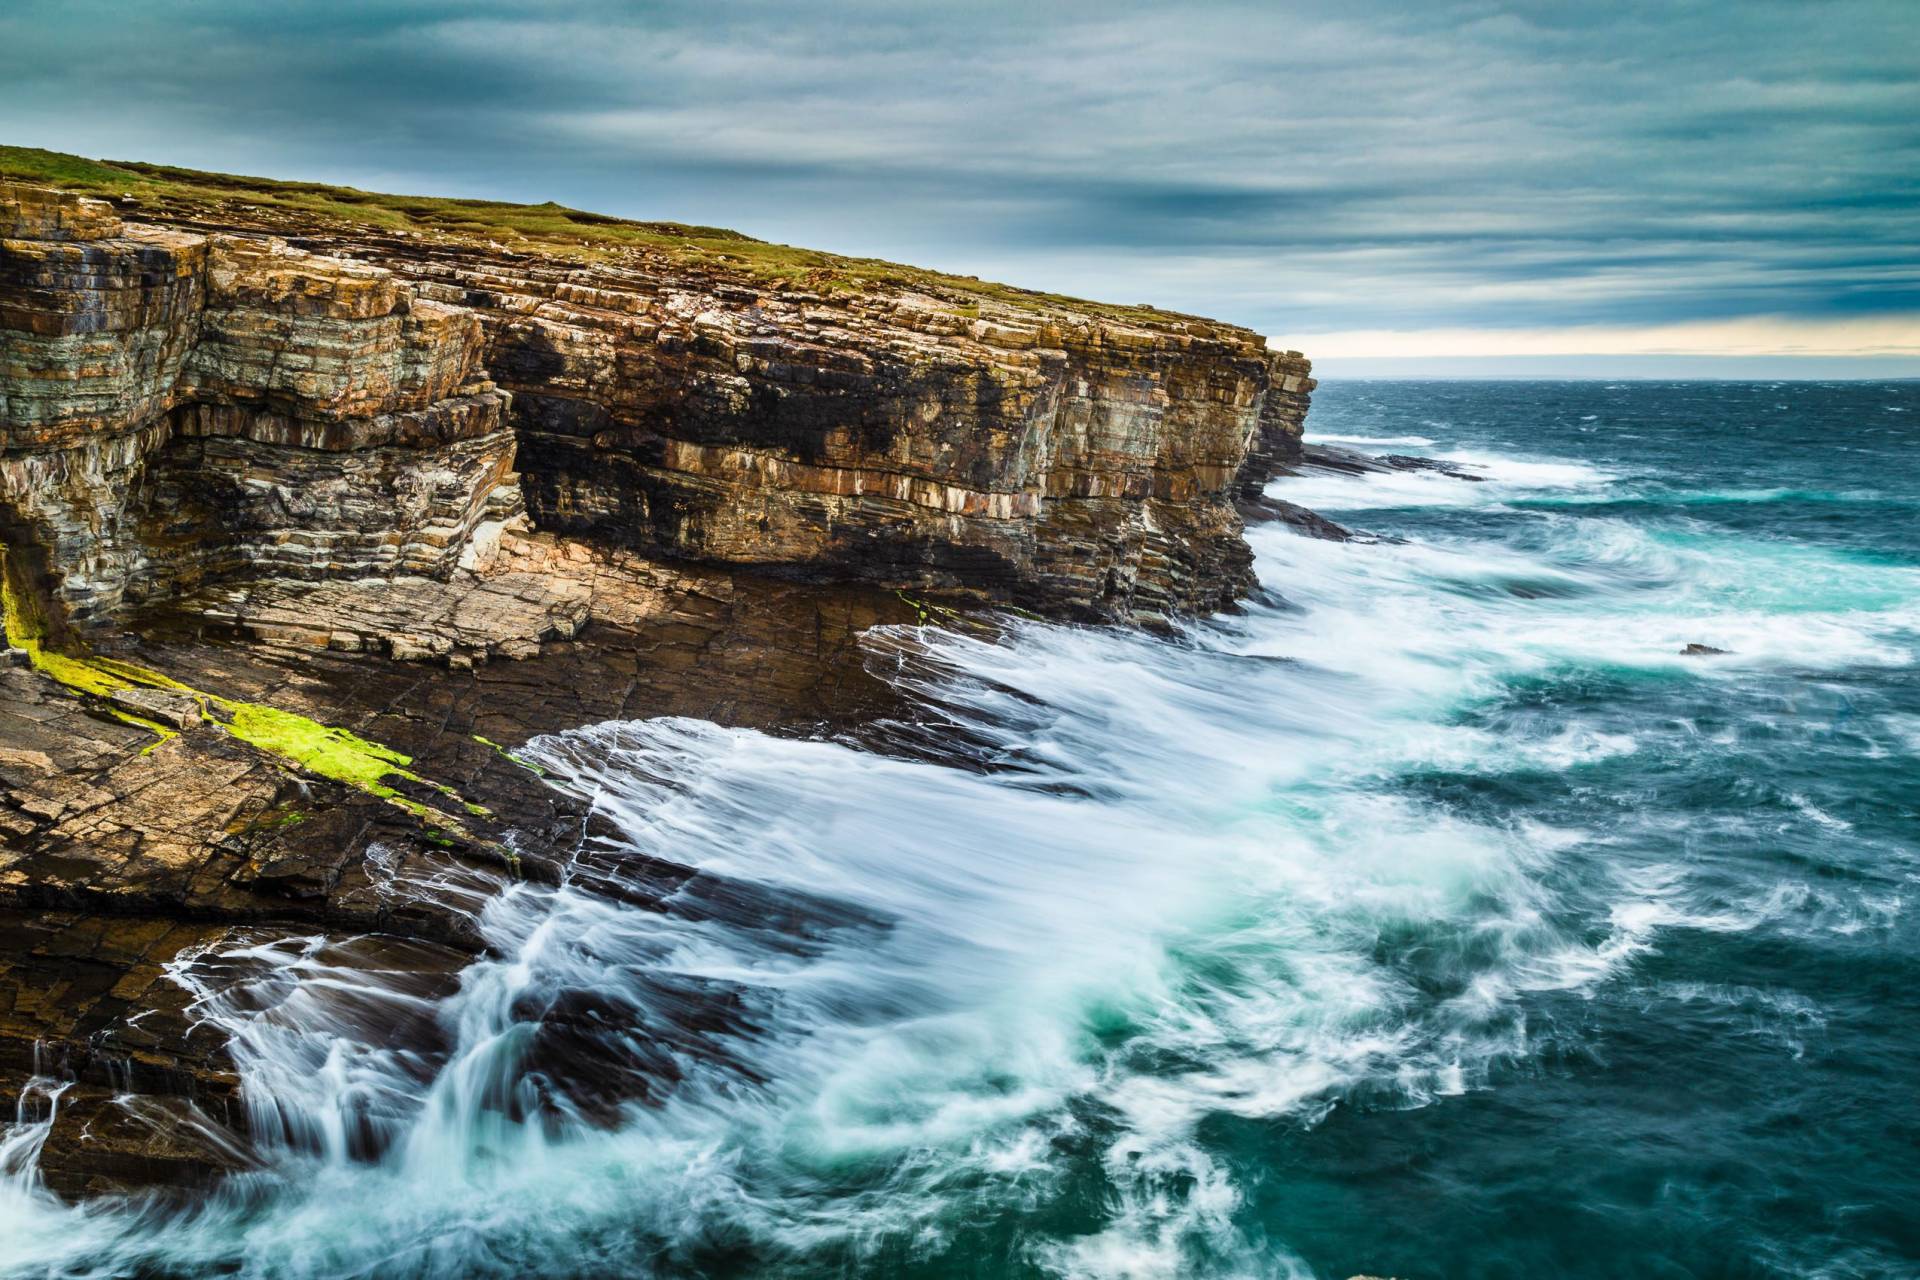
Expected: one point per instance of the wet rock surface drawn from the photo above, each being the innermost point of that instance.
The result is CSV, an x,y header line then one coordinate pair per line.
x,y
135,871
1295,516
308,526
1328,458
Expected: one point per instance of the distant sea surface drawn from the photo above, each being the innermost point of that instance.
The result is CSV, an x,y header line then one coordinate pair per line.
x,y
1436,916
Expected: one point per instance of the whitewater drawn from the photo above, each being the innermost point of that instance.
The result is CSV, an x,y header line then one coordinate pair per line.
x,y
1437,914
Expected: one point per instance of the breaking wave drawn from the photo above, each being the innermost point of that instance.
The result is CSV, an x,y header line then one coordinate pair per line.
x,y
1054,992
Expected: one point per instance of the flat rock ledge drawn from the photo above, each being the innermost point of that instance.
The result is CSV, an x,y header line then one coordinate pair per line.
x,y
142,859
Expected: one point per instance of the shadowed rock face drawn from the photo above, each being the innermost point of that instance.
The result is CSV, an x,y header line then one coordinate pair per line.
x,y
1066,463
135,872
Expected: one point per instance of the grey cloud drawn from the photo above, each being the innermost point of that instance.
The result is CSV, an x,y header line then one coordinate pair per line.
x,y
1297,167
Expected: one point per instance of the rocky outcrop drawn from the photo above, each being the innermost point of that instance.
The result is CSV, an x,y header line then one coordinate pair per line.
x,y
179,408
136,872
1069,462
1330,459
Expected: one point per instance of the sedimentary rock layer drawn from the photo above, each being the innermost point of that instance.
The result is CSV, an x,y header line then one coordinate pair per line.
x,y
1065,461
178,407
1012,447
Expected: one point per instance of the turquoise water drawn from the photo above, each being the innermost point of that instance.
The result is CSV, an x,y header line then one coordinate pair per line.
x,y
1434,917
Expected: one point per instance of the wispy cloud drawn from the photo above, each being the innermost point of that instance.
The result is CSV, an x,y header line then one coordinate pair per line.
x,y
1360,167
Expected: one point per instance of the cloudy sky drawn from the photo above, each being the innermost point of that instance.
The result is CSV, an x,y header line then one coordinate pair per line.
x,y
1610,188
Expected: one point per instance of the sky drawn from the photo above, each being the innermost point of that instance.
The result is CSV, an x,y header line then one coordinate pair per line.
x,y
1614,189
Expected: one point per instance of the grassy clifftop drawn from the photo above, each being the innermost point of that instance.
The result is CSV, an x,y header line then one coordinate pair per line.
x,y
163,191
167,187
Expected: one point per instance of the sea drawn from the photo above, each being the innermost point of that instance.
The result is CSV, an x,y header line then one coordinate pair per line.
x,y
1439,914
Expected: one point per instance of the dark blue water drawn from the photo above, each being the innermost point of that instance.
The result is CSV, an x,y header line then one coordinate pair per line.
x,y
1437,916
1743,1097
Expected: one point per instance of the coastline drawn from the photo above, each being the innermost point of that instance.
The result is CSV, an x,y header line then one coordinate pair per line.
x,y
314,515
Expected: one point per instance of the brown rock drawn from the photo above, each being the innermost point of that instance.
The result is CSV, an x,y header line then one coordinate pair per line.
x,y
175,710
166,389
36,213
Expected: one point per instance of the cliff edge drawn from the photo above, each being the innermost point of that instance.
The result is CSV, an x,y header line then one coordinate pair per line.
x,y
180,358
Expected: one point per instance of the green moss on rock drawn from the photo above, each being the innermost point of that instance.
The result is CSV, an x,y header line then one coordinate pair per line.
x,y
301,741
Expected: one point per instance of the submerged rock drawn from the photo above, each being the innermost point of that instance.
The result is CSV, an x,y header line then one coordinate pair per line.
x,y
1310,523
1697,650
1324,457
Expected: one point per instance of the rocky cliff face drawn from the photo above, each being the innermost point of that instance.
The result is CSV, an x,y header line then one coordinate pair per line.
x,y
1064,462
178,408
223,392
270,414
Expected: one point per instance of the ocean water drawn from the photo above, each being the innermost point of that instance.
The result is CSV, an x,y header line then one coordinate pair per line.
x,y
1434,917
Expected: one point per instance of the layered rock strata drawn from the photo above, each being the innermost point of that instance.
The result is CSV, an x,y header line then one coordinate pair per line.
x,y
179,408
1068,462
1071,459
135,874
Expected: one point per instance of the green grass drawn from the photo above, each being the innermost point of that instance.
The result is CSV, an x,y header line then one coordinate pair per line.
x,y
163,191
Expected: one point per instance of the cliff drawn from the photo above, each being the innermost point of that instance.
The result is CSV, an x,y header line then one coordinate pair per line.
x,y
671,469
177,408
175,359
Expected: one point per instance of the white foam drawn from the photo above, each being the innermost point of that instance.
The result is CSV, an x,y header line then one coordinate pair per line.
x,y
1314,437
1503,479
1816,814
1191,898
1905,730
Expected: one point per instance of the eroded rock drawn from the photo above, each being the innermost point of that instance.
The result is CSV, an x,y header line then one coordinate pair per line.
x,y
189,406
178,408
1326,457
281,613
